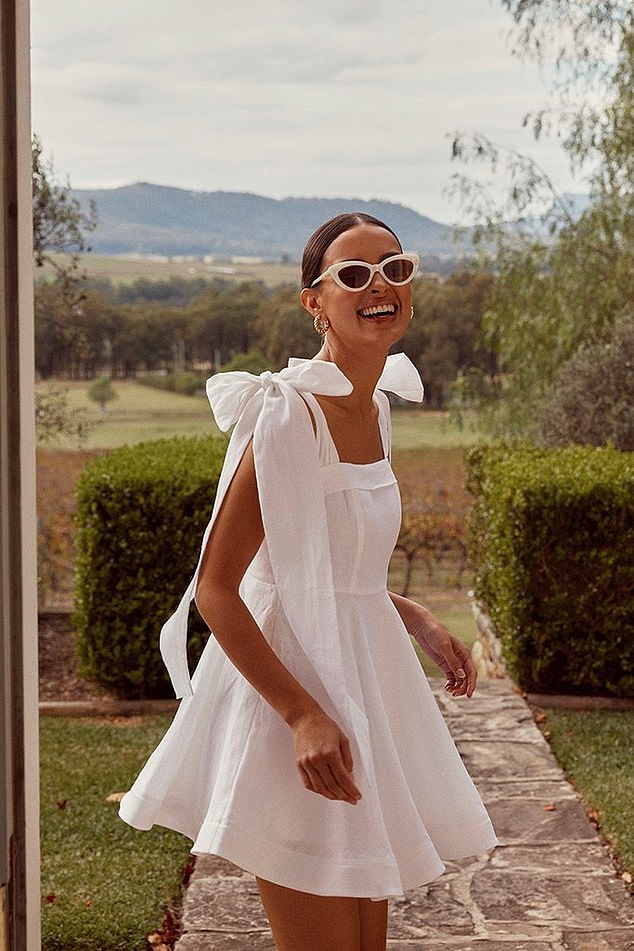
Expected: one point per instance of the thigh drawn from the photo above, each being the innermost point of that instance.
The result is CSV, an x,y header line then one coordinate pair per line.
x,y
373,921
303,922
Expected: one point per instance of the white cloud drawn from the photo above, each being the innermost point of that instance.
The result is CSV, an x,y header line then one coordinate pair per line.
x,y
336,97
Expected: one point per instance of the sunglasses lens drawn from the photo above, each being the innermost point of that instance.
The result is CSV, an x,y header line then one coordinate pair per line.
x,y
398,271
354,275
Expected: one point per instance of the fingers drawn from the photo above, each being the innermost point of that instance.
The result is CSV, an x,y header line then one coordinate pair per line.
x,y
462,676
327,771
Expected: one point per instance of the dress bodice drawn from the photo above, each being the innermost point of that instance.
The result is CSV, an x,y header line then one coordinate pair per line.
x,y
362,509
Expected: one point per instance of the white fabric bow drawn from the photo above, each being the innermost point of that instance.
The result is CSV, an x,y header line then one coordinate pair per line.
x,y
270,410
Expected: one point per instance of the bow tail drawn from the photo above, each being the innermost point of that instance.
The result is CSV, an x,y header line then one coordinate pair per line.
x,y
173,638
295,523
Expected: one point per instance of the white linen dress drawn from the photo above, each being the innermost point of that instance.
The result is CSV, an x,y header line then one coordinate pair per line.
x,y
225,774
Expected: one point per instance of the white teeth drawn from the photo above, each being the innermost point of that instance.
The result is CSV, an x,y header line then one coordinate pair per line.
x,y
377,309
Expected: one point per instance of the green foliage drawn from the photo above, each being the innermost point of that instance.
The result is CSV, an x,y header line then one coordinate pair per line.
x,y
563,279
553,546
592,396
102,392
104,885
59,222
187,384
253,361
444,339
141,514
55,419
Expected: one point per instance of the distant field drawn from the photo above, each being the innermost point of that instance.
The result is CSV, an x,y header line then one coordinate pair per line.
x,y
141,413
126,270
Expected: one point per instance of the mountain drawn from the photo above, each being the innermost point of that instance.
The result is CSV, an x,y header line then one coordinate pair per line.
x,y
154,219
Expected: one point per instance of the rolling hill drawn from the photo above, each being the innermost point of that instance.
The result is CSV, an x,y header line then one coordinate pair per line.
x,y
150,219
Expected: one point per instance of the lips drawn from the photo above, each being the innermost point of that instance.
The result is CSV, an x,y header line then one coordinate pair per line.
x,y
378,310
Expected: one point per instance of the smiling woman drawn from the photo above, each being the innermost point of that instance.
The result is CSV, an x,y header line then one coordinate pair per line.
x,y
306,706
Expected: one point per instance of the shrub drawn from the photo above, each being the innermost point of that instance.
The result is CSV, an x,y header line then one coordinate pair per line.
x,y
187,384
141,514
552,540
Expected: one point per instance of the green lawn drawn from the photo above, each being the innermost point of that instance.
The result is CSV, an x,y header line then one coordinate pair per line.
x,y
141,412
594,747
104,885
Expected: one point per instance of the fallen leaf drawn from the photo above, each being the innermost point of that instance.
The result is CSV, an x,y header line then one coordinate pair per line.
x,y
627,877
51,898
115,797
550,807
61,803
540,718
155,940
547,734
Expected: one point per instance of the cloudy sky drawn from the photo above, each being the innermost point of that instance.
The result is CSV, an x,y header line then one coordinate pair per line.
x,y
337,98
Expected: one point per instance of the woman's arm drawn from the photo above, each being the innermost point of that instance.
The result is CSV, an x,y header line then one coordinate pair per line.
x,y
322,751
450,654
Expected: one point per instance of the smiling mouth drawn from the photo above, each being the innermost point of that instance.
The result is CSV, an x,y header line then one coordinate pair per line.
x,y
378,310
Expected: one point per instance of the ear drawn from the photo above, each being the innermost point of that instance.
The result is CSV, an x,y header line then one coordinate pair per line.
x,y
310,299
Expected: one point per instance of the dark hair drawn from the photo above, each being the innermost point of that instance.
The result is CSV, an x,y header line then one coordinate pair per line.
x,y
321,239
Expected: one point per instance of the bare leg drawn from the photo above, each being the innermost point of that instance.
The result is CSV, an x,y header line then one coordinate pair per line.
x,y
373,915
303,922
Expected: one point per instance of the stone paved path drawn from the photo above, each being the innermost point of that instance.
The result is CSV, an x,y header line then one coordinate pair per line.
x,y
548,886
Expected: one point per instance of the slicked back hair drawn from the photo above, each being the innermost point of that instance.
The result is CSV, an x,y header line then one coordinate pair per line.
x,y
321,239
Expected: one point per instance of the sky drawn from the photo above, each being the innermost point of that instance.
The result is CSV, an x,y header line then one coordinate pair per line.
x,y
303,98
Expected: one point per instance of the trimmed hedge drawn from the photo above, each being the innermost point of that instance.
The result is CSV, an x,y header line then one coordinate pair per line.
x,y
552,541
142,511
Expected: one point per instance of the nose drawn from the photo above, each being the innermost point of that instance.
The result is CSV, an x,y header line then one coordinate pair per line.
x,y
378,283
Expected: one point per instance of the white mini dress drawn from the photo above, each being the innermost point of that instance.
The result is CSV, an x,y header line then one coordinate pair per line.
x,y
224,774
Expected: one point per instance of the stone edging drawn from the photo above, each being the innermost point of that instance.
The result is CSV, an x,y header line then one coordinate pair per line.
x,y
487,655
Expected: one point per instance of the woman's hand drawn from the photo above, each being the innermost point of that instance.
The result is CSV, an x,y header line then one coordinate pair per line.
x,y
449,653
323,757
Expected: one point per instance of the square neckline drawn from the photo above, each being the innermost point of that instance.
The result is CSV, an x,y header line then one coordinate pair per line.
x,y
323,429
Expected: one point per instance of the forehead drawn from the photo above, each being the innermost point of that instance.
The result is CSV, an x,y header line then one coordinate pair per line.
x,y
365,242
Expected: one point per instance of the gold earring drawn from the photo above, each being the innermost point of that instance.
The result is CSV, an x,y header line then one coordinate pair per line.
x,y
411,313
321,324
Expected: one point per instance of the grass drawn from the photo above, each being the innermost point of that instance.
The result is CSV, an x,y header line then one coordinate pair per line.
x,y
104,885
141,412
127,269
595,750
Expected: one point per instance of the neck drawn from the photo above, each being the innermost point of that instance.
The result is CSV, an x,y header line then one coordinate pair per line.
x,y
362,369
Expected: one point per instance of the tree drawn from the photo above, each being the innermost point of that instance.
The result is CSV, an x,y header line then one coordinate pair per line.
x,y
592,397
54,419
444,338
283,329
102,392
60,224
563,281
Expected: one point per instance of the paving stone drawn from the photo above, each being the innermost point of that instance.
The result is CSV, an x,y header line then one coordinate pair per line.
x,y
534,822
622,939
506,758
588,858
477,944
210,941
223,904
568,901
430,912
525,788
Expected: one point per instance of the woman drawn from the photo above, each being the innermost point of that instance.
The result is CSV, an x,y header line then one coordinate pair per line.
x,y
309,749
